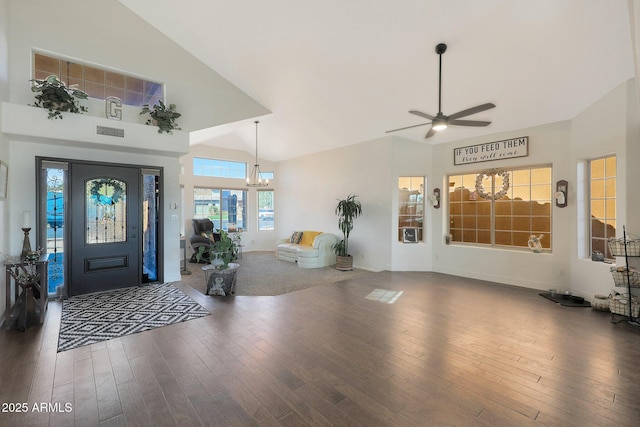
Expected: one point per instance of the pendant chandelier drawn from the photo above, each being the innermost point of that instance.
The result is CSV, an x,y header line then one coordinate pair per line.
x,y
255,178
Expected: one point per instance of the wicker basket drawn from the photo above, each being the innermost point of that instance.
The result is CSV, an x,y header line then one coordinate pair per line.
x,y
620,305
616,246
600,302
619,275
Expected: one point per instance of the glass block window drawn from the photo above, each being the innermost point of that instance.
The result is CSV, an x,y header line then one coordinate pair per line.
x,y
97,82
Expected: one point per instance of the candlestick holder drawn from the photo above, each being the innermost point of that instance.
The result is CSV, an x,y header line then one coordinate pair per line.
x,y
26,244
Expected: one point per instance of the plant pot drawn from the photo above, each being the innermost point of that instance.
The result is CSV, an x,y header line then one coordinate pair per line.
x,y
344,263
222,282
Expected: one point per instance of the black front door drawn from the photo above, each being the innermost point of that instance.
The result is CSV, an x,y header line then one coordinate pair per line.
x,y
105,223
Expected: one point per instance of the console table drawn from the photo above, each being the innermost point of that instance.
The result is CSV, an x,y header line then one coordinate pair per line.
x,y
29,297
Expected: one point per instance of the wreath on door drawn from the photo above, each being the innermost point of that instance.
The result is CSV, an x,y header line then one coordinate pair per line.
x,y
98,184
492,173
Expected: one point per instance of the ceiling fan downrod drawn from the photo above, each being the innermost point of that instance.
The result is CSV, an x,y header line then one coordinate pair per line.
x,y
440,49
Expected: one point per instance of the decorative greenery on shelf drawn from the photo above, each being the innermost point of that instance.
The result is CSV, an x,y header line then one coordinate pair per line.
x,y
162,116
57,98
224,251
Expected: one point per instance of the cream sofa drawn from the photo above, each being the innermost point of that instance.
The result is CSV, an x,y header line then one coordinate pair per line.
x,y
313,250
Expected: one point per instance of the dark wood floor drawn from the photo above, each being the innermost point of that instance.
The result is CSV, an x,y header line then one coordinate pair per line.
x,y
449,351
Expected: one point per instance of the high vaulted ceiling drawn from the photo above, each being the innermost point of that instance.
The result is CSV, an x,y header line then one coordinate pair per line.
x,y
340,72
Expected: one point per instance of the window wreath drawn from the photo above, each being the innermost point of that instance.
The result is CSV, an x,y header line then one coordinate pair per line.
x,y
492,173
96,189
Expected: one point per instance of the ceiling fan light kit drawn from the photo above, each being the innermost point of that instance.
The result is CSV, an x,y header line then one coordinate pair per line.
x,y
441,121
438,124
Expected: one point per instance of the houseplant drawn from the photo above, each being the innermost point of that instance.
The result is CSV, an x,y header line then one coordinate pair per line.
x,y
221,275
162,116
57,98
347,210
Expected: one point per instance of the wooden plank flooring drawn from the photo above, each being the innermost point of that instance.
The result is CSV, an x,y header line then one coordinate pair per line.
x,y
448,351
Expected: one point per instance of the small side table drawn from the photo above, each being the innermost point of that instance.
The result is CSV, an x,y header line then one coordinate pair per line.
x,y
28,297
183,246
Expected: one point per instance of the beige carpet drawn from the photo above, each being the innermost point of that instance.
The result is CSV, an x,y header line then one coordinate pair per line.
x,y
262,274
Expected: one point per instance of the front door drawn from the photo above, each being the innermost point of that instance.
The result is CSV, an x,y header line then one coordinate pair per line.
x,y
105,218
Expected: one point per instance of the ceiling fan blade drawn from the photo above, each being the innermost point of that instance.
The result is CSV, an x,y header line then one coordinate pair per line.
x,y
469,123
472,110
421,114
408,127
430,133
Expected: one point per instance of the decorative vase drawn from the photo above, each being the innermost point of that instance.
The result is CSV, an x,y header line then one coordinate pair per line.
x,y
223,282
344,263
534,243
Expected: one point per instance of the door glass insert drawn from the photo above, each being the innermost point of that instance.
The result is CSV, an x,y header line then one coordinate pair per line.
x,y
52,221
106,211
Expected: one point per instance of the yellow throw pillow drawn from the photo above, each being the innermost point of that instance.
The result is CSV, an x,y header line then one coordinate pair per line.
x,y
308,237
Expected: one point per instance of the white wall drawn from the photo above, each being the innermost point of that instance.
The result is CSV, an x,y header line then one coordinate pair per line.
x,y
619,110
4,144
252,239
309,188
412,158
22,177
106,33
548,145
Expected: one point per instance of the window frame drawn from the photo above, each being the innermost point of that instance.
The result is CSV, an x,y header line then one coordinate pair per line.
x,y
222,165
219,223
502,218
411,208
606,204
258,208
131,89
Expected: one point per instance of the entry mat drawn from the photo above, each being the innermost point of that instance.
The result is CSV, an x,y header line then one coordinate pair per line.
x,y
92,318
565,301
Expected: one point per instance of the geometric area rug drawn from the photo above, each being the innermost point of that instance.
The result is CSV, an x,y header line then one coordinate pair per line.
x,y
91,318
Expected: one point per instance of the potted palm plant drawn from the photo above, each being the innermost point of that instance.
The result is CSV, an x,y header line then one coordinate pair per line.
x,y
347,210
221,274
56,97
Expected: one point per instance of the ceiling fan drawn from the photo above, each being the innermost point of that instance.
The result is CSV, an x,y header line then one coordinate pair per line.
x,y
440,121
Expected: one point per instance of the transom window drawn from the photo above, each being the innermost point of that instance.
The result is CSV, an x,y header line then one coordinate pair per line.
x,y
602,194
98,82
501,207
225,208
219,168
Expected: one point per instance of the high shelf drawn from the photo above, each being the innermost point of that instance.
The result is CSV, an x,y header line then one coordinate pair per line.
x,y
626,276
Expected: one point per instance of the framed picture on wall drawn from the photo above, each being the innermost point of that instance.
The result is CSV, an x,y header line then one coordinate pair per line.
x,y
410,235
4,176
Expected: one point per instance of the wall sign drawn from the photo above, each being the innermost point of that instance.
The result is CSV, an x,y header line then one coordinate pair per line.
x,y
113,108
507,149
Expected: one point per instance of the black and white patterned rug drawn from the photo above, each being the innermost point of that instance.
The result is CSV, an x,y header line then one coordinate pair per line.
x,y
92,318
